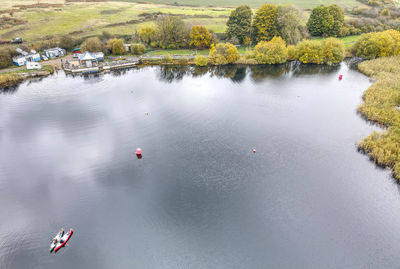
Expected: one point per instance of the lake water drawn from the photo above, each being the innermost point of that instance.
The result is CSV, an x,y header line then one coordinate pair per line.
x,y
199,198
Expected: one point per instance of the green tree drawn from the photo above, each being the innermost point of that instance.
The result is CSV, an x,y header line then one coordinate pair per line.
x,y
320,21
147,34
338,20
332,51
200,37
172,32
5,58
264,26
116,46
239,24
326,21
289,24
271,52
92,44
223,53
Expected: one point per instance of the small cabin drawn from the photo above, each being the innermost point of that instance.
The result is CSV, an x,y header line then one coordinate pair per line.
x,y
127,47
55,52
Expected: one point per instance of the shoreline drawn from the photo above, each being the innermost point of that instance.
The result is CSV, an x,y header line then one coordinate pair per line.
x,y
381,106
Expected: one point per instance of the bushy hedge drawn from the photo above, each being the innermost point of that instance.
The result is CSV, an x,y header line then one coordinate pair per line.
x,y
223,53
380,44
271,52
138,48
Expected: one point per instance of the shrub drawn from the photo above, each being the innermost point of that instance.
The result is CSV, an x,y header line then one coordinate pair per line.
x,y
272,52
310,51
332,51
201,60
380,44
92,44
223,53
138,48
385,12
67,42
5,58
116,46
292,54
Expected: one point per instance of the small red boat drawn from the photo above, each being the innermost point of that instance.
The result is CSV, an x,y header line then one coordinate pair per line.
x,y
64,239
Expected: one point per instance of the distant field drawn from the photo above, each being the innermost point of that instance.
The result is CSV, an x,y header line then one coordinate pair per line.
x,y
86,19
252,3
119,17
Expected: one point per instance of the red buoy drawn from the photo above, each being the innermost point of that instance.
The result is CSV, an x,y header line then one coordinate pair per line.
x,y
254,151
340,77
138,151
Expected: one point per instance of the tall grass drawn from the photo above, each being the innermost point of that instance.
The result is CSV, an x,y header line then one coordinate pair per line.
x,y
381,105
7,80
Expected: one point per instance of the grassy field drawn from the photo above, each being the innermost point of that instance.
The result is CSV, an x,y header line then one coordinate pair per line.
x,y
253,3
121,17
86,19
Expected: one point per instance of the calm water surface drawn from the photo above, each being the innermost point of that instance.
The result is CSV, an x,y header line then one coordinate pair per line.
x,y
199,198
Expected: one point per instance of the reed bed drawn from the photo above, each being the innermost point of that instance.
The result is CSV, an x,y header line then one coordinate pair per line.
x,y
382,106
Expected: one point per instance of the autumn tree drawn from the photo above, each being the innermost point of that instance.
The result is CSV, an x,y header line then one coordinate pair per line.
x,y
200,37
380,44
92,44
239,24
147,35
172,32
289,24
271,52
116,46
264,26
223,53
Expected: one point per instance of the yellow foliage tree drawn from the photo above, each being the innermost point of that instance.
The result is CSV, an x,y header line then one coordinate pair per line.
x,y
116,46
223,53
200,37
271,52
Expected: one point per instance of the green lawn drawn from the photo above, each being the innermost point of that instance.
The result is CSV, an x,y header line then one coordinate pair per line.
x,y
347,40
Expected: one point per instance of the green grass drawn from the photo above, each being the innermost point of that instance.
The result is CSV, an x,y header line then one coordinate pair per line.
x,y
253,3
92,18
347,40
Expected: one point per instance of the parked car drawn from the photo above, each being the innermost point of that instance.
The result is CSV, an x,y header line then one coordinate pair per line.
x,y
44,58
17,40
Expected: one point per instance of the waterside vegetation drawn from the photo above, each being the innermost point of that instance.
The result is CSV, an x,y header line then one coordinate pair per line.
x,y
381,105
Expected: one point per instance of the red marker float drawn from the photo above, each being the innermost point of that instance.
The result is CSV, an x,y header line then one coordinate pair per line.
x,y
139,153
254,151
340,77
